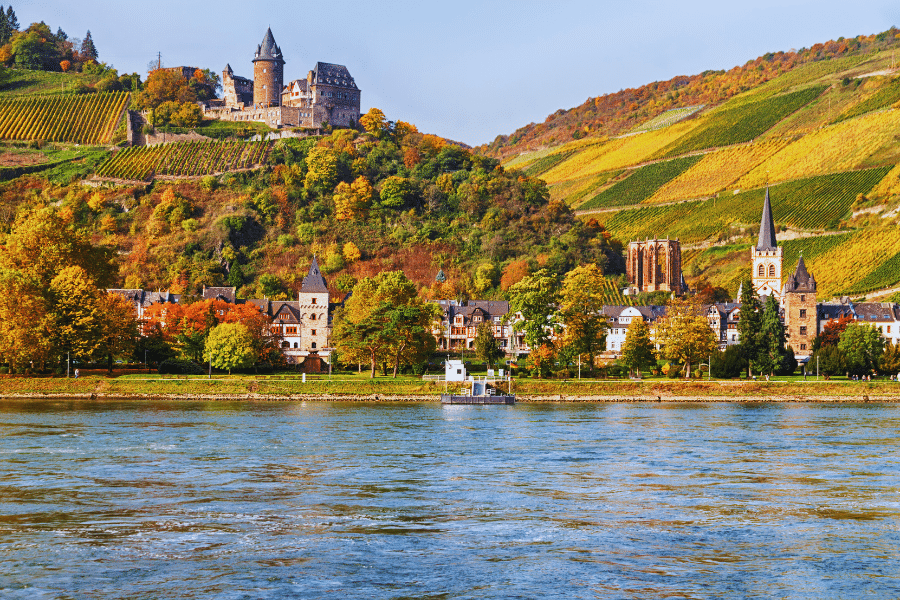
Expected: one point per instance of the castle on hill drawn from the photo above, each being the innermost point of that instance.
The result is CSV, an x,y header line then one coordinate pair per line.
x,y
328,94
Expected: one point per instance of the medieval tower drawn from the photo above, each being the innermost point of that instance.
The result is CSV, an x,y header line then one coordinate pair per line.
x,y
655,265
268,73
767,256
800,312
312,301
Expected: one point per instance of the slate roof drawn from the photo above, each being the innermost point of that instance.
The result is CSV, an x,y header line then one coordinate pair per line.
x,y
144,298
650,313
228,294
314,282
330,74
801,280
767,227
268,50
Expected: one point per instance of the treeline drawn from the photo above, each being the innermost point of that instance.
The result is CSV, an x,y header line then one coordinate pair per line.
x,y
617,113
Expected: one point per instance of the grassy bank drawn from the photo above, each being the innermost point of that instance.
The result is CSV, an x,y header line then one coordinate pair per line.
x,y
348,387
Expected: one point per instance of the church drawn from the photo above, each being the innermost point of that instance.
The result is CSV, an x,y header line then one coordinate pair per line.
x,y
328,95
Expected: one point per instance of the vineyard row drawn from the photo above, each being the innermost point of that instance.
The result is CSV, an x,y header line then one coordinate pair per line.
x,y
183,159
82,119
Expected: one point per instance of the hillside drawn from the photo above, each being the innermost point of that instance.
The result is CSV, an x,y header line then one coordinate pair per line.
x,y
819,126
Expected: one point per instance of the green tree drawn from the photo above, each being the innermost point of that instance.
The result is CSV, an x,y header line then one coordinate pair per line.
x,y
536,297
749,323
684,334
638,351
890,359
230,346
88,49
486,346
827,361
862,347
581,312
395,192
771,339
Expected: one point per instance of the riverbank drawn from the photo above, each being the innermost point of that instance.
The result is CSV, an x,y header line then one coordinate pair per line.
x,y
275,388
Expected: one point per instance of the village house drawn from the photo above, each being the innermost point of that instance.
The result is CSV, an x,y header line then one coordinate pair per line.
x,y
459,322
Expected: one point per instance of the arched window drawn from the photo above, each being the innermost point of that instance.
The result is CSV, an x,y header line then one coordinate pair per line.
x,y
285,344
313,346
771,270
295,344
762,270
312,317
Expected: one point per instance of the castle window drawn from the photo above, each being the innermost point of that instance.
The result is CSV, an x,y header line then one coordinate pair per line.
x,y
313,332
803,314
803,346
313,300
771,270
312,317
802,297
313,345
762,270
803,331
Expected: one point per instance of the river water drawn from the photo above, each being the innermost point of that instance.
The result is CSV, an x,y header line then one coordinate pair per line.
x,y
329,500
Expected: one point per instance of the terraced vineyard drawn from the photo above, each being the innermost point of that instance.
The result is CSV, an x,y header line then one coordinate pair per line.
x,y
546,163
727,126
716,171
883,98
82,119
669,117
814,203
183,159
884,275
810,248
641,184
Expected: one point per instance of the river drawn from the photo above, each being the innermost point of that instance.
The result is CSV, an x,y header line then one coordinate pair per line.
x,y
330,500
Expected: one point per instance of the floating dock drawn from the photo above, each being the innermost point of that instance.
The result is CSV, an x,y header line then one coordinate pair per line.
x,y
461,399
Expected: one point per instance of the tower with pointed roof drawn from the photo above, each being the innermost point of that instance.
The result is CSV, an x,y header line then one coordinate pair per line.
x,y
268,73
767,256
312,304
800,312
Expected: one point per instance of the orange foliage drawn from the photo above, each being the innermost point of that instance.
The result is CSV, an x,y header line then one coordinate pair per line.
x,y
514,273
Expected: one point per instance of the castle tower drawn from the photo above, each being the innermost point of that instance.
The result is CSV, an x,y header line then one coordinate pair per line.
x,y
800,314
268,73
767,256
313,306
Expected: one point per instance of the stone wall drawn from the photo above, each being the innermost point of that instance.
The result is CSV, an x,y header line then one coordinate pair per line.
x,y
655,265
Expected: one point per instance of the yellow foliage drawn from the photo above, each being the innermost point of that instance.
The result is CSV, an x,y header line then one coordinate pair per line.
x,y
843,266
352,200
888,188
617,153
351,252
97,202
716,171
842,147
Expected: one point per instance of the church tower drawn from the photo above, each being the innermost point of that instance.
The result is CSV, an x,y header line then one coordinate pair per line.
x,y
767,256
800,312
268,73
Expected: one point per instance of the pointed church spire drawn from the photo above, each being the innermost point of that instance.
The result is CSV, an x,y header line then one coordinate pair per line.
x,y
767,227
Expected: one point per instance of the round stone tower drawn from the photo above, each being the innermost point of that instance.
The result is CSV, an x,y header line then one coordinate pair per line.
x,y
268,73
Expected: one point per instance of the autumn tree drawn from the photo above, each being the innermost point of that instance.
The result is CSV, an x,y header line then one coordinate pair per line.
x,y
684,334
322,170
384,321
163,85
374,122
831,332
352,200
637,350
230,346
581,312
889,363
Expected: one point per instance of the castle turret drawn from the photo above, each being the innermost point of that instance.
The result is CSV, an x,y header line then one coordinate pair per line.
x,y
767,256
268,73
313,305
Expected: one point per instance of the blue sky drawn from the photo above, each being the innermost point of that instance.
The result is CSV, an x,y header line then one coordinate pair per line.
x,y
467,70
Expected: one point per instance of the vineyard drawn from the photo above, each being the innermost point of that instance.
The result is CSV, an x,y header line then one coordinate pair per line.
x,y
843,147
883,98
885,275
858,263
738,124
641,184
617,153
814,203
546,163
716,172
183,159
670,117
83,119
